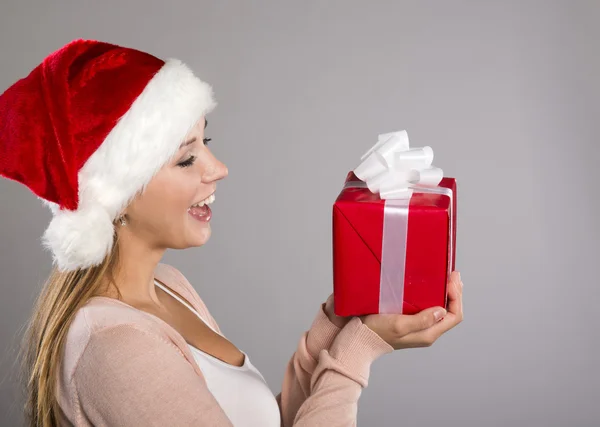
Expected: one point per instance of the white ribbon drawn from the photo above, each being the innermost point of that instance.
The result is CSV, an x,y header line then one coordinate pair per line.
x,y
393,170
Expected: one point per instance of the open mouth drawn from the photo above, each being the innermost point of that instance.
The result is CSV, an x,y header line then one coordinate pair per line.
x,y
201,210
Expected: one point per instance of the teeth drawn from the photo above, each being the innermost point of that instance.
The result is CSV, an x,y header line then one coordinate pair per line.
x,y
206,201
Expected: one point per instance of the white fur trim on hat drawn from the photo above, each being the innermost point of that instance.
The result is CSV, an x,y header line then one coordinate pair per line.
x,y
143,140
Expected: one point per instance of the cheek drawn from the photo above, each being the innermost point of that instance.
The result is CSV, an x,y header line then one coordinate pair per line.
x,y
166,198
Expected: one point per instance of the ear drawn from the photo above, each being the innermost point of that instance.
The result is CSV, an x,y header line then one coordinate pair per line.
x,y
122,214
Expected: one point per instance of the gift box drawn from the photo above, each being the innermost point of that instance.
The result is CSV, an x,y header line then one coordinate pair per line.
x,y
394,232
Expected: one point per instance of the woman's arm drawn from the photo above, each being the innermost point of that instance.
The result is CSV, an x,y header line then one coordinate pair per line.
x,y
326,393
296,389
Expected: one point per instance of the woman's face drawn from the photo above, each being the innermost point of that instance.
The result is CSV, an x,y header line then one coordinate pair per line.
x,y
164,214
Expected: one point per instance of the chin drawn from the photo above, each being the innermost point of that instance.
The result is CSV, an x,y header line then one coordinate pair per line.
x,y
201,236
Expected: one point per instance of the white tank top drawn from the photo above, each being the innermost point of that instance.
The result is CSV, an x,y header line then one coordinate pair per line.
x,y
241,391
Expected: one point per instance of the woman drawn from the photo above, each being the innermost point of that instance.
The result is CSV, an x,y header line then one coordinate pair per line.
x,y
114,144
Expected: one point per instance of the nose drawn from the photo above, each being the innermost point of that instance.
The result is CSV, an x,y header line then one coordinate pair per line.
x,y
214,171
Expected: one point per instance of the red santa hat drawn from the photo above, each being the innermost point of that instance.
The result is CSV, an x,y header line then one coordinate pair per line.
x,y
87,130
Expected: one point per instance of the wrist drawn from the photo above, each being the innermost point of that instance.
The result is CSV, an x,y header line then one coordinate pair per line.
x,y
329,310
321,334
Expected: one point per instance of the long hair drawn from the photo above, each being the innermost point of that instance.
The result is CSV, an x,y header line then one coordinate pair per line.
x,y
43,343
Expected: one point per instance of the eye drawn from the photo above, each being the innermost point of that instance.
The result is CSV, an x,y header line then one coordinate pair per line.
x,y
205,140
188,162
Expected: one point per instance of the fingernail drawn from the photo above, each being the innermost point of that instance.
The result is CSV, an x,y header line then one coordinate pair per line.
x,y
439,314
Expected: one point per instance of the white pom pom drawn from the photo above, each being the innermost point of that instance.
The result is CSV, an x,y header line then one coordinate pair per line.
x,y
79,239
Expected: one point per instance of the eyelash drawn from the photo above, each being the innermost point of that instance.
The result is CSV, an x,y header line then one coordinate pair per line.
x,y
191,159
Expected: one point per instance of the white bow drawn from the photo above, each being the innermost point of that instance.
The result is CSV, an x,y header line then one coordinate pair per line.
x,y
393,169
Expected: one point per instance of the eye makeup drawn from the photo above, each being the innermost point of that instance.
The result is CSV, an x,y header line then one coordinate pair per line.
x,y
190,160
187,163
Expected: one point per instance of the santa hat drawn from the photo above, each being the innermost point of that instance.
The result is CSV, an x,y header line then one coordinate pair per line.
x,y
87,130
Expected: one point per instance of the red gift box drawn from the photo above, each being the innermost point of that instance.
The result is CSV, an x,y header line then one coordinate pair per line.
x,y
392,256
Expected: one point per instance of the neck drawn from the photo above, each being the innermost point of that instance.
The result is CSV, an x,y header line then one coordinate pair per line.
x,y
134,275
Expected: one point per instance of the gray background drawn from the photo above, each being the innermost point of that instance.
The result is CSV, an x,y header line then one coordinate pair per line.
x,y
506,93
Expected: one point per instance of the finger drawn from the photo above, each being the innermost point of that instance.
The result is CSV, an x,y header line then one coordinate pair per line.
x,y
455,312
428,336
406,324
454,282
330,300
455,295
454,292
428,321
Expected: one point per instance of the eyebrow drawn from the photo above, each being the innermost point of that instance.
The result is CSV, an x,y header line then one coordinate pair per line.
x,y
186,143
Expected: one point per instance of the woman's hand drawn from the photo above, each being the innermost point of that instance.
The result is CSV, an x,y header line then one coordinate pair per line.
x,y
338,321
421,329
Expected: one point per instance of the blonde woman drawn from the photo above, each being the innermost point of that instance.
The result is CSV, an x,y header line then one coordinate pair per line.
x,y
112,139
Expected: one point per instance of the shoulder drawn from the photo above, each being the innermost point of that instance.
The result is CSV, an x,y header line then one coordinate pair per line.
x,y
121,371
101,317
98,352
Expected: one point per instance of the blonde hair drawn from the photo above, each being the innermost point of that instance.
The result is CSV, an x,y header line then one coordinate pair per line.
x,y
43,343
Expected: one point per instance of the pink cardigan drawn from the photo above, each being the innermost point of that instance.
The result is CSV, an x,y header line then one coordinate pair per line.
x,y
126,367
